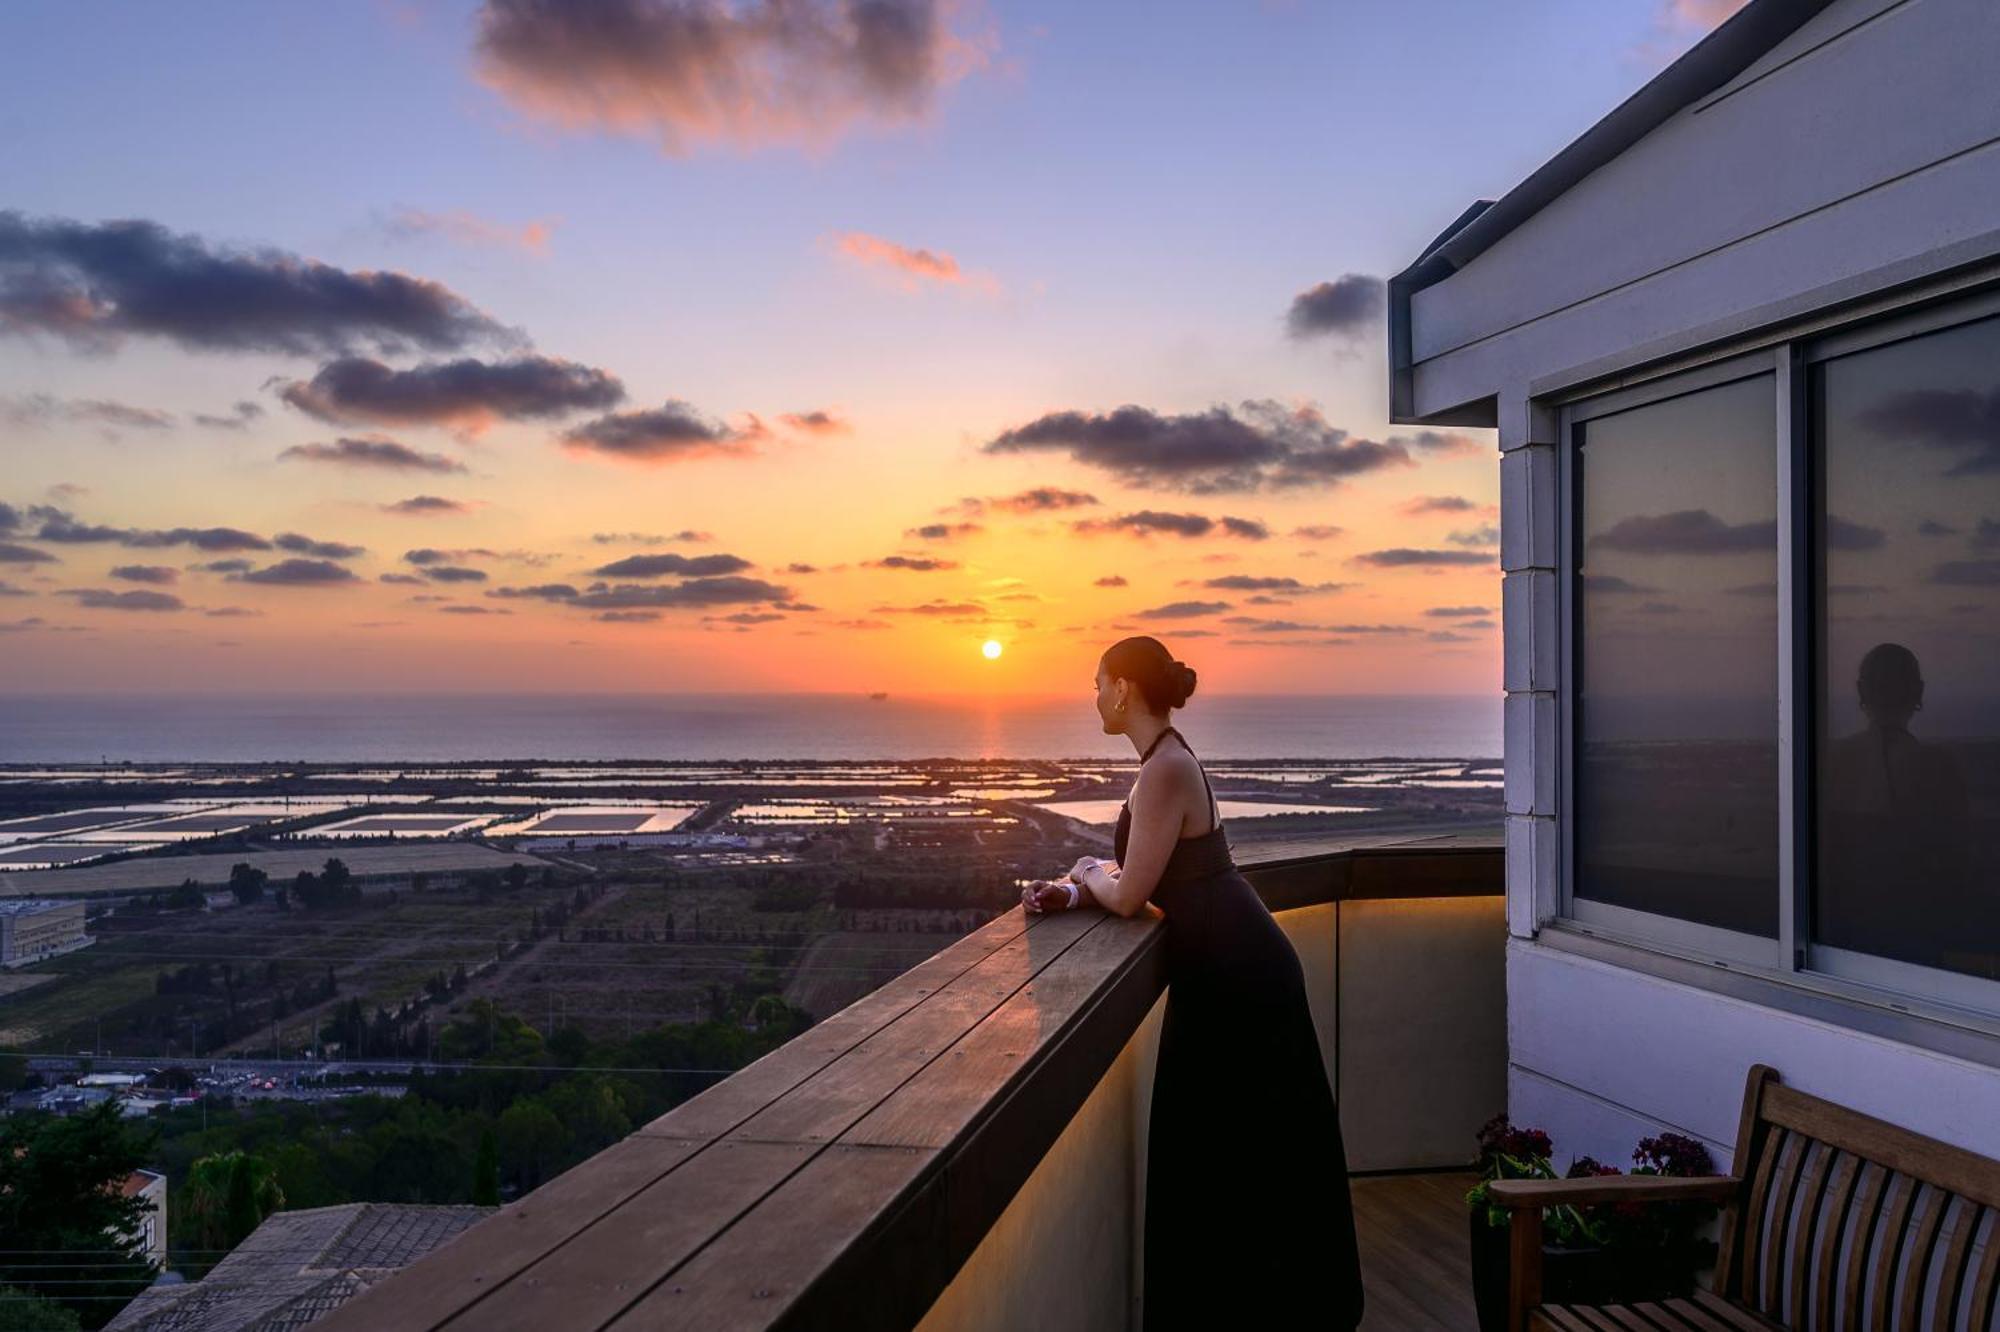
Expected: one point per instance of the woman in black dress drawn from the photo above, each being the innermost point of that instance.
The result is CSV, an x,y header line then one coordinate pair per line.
x,y
1248,1224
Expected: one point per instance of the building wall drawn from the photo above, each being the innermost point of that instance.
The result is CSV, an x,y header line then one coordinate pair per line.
x,y
1869,136
1861,153
27,935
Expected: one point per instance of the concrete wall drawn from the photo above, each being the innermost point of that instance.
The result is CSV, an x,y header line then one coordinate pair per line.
x,y
1601,1056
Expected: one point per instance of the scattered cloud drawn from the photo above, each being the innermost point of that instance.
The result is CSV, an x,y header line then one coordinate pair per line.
x,y
1040,499
665,434
1423,504
463,228
1404,557
1175,610
820,422
159,575
37,410
1965,421
427,506
1347,307
467,395
1150,522
12,553
1319,531
1458,612
685,566
60,526
648,538
325,550
300,573
98,598
911,268
375,451
943,531
914,563
94,285
747,75
1258,445
239,418
1111,580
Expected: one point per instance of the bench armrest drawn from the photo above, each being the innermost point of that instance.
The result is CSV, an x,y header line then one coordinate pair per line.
x,y
1516,1194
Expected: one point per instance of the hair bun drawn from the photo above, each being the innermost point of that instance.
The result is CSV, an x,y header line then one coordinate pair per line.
x,y
1184,675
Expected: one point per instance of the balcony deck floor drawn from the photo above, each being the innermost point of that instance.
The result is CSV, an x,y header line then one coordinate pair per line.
x,y
1415,1256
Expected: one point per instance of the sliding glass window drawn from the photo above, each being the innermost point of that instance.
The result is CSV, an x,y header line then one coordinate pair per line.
x,y
1905,440
1674,669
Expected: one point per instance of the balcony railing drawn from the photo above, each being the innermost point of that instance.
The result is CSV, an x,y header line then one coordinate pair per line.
x,y
964,1146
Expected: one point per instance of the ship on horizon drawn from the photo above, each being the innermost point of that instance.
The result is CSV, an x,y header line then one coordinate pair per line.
x,y
879,695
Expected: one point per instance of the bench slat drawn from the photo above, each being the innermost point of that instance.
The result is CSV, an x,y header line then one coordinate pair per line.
x,y
1695,1317
1799,1249
1867,1212
1770,1295
1917,1255
1986,1283
1732,1315
1965,1221
1756,1207
1826,1260
1895,1212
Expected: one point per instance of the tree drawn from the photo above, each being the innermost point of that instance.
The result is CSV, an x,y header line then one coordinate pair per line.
x,y
227,1196
26,1311
486,1171
247,882
64,1216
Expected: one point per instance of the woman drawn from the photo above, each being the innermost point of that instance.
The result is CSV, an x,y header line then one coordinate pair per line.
x,y
1248,1222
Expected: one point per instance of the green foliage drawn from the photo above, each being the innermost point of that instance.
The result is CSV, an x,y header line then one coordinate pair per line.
x,y
247,882
227,1196
67,1231
486,1171
22,1310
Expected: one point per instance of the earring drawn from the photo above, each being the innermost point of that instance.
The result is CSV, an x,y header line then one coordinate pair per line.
x,y
1121,705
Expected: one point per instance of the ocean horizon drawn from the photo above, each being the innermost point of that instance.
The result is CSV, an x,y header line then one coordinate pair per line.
x,y
463,726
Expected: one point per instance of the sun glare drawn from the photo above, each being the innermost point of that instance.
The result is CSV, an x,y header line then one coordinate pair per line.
x,y
991,649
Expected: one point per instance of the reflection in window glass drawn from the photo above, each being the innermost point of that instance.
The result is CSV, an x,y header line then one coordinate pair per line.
x,y
1907,437
1676,780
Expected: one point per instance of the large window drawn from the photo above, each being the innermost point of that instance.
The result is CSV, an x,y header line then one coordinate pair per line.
x,y
1676,787
1782,700
1906,447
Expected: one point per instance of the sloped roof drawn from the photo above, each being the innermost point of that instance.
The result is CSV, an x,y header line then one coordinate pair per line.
x,y
1733,47
297,1266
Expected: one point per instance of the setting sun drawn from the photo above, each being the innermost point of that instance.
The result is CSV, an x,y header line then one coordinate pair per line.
x,y
991,648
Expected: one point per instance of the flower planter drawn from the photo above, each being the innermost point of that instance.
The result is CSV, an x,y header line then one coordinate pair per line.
x,y
1570,1275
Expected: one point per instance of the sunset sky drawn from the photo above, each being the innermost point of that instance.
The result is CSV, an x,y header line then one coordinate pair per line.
x,y
683,345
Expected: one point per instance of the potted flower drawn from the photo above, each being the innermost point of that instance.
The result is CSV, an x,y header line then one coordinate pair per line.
x,y
1600,1253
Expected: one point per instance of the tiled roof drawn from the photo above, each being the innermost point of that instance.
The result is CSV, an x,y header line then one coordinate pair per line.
x,y
296,1267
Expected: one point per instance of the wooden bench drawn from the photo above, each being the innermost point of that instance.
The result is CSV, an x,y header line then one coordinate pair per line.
x,y
1834,1220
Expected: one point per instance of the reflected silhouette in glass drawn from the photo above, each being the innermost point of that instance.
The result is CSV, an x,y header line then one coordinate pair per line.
x,y
1895,828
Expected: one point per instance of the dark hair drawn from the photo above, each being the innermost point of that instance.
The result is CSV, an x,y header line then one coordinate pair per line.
x,y
1145,661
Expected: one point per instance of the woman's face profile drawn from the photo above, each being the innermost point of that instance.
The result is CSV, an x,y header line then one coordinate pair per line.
x,y
1107,702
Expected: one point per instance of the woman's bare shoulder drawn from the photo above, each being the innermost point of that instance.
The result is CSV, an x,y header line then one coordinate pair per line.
x,y
1167,777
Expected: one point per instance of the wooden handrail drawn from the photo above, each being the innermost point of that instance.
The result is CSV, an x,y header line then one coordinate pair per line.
x,y
844,1178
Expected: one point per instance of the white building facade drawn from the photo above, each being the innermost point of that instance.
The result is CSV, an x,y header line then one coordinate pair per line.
x,y
1741,342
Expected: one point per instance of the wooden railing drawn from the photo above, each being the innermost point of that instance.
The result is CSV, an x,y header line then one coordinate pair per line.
x,y
854,1176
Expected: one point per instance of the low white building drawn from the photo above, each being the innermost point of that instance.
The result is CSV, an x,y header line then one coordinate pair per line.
x,y
1741,342
32,929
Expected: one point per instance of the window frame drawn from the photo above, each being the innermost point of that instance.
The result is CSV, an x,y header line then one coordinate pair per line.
x,y
1792,958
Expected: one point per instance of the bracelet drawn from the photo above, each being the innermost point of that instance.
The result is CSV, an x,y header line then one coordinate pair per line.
x,y
1071,885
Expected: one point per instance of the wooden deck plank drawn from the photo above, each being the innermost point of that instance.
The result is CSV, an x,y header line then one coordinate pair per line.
x,y
1416,1251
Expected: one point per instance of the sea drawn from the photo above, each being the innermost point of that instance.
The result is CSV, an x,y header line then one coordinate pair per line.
x,y
470,727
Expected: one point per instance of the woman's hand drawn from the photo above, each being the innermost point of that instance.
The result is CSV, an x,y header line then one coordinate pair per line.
x,y
1044,895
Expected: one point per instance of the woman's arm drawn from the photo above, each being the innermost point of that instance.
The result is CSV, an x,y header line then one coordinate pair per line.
x,y
1158,798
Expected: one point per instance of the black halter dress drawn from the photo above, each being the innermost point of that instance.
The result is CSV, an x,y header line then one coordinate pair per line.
x,y
1248,1220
